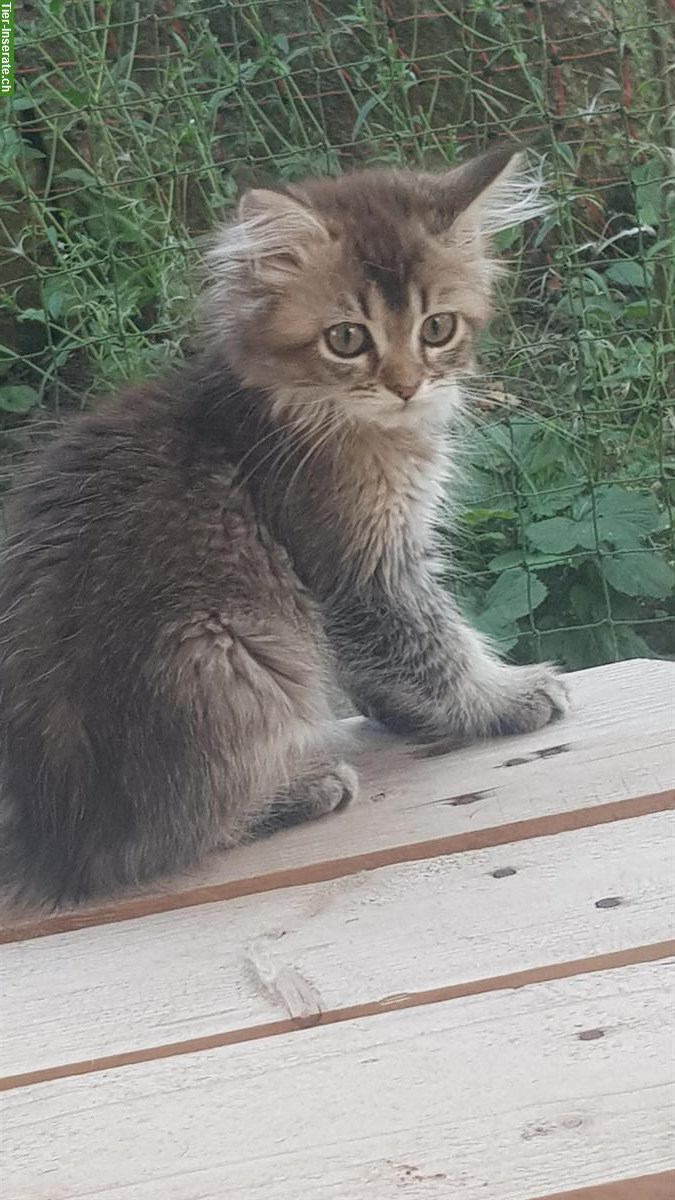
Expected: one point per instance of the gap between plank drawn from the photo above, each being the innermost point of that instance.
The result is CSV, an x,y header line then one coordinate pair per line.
x,y
645,1187
476,987
319,872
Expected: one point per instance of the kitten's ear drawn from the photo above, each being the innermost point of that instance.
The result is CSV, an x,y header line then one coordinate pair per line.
x,y
494,191
273,236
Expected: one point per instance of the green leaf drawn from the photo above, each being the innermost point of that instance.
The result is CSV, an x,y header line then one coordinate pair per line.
x,y
363,114
514,594
477,516
636,310
557,535
549,223
647,181
625,518
548,504
507,238
281,42
493,447
629,273
642,574
588,603
21,103
566,152
32,314
507,636
622,519
547,449
14,150
592,280
18,399
579,648
78,176
522,558
497,628
631,645
53,299
637,368
482,489
77,97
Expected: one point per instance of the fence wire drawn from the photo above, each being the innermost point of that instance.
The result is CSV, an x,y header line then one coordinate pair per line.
x,y
135,125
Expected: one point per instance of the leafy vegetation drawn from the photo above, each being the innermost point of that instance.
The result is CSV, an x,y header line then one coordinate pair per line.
x,y
133,128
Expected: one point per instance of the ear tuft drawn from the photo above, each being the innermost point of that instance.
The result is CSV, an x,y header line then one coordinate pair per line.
x,y
515,195
490,193
271,238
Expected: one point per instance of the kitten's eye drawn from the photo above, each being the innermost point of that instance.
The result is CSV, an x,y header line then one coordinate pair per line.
x,y
347,340
439,329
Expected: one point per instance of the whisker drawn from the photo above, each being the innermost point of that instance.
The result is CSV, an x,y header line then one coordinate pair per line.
x,y
331,429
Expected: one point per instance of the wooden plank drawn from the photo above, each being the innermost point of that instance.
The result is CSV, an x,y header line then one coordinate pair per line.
x,y
260,960
614,753
496,983
498,1095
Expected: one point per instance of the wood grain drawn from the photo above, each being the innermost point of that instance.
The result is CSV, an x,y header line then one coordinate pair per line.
x,y
613,753
364,940
502,1095
234,1037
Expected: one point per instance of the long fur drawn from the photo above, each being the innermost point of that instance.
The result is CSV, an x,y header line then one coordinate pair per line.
x,y
517,195
190,568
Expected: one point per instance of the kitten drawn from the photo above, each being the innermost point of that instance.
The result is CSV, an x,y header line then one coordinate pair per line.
x,y
186,563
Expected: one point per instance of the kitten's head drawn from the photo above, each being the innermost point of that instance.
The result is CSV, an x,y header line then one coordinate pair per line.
x,y
363,295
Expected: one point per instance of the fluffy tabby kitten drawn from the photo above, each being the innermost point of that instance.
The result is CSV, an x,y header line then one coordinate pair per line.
x,y
186,563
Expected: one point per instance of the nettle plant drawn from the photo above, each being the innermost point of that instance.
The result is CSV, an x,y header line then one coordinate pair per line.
x,y
568,547
558,565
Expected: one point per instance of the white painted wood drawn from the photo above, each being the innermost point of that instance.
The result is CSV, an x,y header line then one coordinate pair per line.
x,y
360,939
620,744
489,1096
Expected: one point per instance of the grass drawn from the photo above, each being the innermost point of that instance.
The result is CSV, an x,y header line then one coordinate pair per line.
x,y
133,128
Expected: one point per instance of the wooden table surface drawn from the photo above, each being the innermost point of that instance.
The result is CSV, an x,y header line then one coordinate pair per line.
x,y
461,988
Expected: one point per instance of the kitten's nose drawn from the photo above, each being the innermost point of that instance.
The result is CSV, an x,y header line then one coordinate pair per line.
x,y
403,386
405,390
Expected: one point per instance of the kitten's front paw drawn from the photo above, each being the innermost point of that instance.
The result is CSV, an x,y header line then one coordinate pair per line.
x,y
531,697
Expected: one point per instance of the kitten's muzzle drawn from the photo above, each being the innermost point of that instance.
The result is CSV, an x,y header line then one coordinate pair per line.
x,y
406,391
401,375
404,388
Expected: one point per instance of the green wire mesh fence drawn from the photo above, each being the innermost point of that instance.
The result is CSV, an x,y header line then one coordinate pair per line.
x,y
134,126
